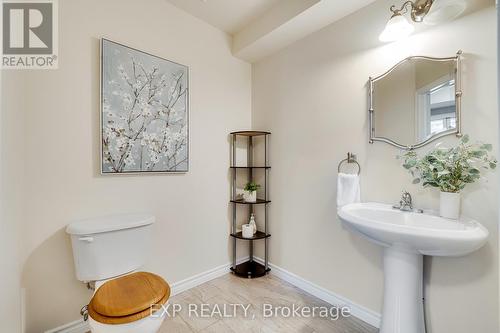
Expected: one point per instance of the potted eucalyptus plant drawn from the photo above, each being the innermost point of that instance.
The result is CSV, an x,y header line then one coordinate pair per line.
x,y
450,170
250,192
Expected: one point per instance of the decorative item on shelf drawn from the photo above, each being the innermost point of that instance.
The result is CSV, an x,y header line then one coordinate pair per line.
x,y
450,170
250,194
252,223
247,231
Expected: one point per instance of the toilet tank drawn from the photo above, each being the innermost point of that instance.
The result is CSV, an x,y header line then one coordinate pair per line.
x,y
110,246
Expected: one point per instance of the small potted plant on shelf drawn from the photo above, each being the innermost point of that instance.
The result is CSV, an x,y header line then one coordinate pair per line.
x,y
250,193
450,170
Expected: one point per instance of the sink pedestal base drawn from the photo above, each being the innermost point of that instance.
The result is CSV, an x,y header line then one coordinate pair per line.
x,y
403,310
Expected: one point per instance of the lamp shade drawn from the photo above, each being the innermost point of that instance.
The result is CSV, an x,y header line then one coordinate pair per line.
x,y
398,27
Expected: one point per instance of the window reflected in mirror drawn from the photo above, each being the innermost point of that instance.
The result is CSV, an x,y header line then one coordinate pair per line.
x,y
415,101
436,108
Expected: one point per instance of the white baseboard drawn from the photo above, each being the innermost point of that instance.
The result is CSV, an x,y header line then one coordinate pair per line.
x,y
196,280
358,311
369,316
78,326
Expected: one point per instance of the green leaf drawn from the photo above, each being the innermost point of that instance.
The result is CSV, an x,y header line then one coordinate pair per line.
x,y
465,138
487,146
479,153
410,164
416,181
251,186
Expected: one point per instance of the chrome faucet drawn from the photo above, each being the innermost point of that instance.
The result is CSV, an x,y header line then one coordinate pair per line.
x,y
406,203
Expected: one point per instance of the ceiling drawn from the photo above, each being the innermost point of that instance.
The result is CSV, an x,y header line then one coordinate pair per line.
x,y
261,27
230,16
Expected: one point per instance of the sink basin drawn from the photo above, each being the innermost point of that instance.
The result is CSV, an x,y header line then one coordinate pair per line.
x,y
420,232
406,237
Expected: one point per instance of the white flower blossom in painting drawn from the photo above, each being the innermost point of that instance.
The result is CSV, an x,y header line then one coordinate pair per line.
x,y
144,112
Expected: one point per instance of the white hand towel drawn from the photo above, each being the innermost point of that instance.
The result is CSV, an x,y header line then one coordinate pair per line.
x,y
348,189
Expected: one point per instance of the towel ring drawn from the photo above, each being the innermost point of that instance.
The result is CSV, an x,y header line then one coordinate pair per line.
x,y
351,158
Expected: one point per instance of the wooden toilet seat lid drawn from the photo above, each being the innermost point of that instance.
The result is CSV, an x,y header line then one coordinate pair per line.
x,y
128,298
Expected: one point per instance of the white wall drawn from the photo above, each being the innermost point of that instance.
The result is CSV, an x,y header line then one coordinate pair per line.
x,y
60,150
11,198
313,97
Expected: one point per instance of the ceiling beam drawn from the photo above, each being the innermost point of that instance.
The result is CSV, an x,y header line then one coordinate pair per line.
x,y
287,22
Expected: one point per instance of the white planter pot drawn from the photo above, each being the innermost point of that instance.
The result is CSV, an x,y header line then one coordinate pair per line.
x,y
247,231
250,196
449,206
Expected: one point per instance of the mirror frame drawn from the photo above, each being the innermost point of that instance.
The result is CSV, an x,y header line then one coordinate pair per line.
x,y
458,96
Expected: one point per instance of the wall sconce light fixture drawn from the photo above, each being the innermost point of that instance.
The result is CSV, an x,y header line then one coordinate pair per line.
x,y
427,11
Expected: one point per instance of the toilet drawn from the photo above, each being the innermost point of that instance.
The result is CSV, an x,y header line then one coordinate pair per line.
x,y
108,251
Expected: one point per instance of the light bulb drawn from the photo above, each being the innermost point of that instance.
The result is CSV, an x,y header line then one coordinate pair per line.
x,y
398,27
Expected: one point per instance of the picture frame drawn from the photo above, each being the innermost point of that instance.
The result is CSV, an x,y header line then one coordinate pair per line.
x,y
144,112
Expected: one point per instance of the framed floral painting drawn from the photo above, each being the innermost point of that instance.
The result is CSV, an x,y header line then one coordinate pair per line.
x,y
144,112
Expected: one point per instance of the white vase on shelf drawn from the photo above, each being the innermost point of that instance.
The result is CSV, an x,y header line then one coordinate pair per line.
x,y
449,205
250,196
247,231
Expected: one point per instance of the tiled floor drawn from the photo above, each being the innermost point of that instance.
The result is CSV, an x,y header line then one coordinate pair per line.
x,y
255,293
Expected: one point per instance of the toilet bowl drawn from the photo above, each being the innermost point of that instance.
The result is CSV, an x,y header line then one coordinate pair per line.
x,y
131,303
146,325
108,251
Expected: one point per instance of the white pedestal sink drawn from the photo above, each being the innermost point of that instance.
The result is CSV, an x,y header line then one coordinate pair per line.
x,y
406,237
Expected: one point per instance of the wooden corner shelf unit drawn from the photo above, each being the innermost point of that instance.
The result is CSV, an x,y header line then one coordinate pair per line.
x,y
250,268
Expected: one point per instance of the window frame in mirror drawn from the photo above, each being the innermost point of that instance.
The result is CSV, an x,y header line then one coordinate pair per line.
x,y
458,96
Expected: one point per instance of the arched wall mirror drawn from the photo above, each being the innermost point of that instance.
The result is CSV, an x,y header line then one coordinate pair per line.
x,y
416,102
